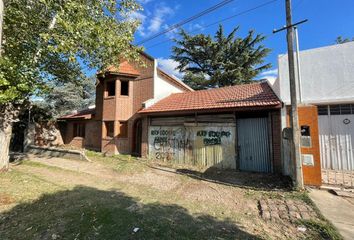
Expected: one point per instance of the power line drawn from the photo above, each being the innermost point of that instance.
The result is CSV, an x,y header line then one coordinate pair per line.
x,y
187,20
222,20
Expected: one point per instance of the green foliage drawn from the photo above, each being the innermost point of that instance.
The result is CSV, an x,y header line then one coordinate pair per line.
x,y
63,98
194,80
50,40
340,40
220,61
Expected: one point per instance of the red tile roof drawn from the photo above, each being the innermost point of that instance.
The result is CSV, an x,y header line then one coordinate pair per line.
x,y
255,95
124,68
83,114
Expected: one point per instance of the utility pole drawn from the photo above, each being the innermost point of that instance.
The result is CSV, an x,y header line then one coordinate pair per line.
x,y
294,119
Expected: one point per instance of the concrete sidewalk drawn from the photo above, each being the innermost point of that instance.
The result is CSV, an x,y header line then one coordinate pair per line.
x,y
338,210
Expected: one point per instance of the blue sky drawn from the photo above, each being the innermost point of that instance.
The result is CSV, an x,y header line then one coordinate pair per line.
x,y
327,20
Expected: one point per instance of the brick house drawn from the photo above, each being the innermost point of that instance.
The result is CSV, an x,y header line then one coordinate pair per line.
x,y
113,125
235,127
146,112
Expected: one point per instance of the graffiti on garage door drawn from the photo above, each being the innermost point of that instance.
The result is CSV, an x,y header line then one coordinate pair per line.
x,y
193,145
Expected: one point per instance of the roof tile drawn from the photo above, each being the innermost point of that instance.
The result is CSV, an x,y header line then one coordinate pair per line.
x,y
247,95
83,114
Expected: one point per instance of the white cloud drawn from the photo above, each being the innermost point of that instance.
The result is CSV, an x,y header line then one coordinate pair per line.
x,y
271,72
141,17
155,20
196,27
169,66
170,34
159,17
138,15
271,75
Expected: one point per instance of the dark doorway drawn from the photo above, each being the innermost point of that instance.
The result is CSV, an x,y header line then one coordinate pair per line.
x,y
137,134
18,136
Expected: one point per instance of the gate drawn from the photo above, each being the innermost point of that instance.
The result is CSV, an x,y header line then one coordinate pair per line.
x,y
336,131
253,144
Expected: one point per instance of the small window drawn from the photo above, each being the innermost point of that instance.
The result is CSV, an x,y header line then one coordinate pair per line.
x,y
334,110
123,130
345,109
305,136
79,130
124,88
109,129
111,88
322,110
305,130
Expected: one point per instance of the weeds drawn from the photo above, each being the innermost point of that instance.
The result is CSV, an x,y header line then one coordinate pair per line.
x,y
321,229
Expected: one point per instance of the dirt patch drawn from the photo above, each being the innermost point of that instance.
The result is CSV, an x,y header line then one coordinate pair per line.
x,y
63,178
229,197
6,199
259,181
75,165
156,179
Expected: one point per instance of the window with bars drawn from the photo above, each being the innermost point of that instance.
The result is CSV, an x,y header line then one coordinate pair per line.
x,y
338,109
334,109
322,110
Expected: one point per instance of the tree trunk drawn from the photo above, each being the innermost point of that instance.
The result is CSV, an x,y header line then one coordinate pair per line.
x,y
8,115
5,138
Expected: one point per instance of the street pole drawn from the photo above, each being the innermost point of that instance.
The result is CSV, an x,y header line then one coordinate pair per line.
x,y
298,66
294,121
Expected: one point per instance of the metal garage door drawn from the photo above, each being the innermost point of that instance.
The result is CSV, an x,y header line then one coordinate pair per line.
x,y
253,144
337,141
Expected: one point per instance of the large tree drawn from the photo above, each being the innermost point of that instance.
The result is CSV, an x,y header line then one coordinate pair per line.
x,y
47,42
63,98
220,61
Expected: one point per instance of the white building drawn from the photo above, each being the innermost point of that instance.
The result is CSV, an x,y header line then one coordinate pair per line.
x,y
327,81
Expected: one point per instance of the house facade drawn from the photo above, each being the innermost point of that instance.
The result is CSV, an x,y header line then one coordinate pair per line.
x,y
113,125
235,127
145,112
326,82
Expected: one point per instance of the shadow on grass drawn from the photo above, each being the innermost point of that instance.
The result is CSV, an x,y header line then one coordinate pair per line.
x,y
89,213
247,180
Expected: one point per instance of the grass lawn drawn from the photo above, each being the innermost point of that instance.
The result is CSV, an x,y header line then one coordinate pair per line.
x,y
124,198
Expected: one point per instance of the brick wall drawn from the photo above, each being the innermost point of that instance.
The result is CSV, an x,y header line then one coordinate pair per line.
x,y
123,108
145,137
143,86
308,116
92,139
93,135
99,100
312,174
